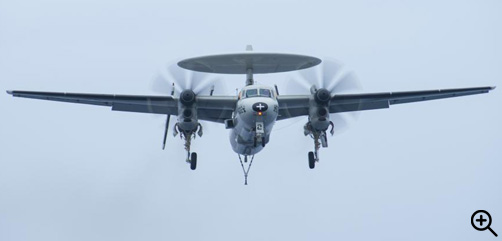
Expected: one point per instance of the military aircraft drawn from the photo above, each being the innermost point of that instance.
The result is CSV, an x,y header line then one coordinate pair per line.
x,y
252,113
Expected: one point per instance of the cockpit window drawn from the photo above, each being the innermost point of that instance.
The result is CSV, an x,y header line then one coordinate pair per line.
x,y
265,92
251,93
256,92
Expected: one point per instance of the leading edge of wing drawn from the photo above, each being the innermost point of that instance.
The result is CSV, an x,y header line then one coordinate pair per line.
x,y
369,101
211,108
67,94
128,103
341,98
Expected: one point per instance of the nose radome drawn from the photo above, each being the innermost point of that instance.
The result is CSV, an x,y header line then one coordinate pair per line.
x,y
260,106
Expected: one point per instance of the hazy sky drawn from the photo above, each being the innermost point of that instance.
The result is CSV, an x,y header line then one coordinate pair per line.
x,y
412,172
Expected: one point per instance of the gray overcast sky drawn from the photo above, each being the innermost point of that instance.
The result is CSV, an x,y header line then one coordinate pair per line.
x,y
411,172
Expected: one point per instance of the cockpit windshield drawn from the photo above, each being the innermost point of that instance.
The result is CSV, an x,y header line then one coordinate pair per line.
x,y
251,93
265,93
258,92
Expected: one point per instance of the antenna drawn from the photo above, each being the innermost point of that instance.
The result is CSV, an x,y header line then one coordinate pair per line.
x,y
249,63
249,71
249,77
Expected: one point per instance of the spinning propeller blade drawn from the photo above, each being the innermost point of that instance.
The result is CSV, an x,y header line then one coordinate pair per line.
x,y
329,75
198,82
173,79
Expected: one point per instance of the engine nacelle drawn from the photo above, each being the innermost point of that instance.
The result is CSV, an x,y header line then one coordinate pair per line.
x,y
319,109
187,111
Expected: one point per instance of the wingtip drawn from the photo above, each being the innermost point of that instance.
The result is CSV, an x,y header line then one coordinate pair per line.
x,y
10,92
493,87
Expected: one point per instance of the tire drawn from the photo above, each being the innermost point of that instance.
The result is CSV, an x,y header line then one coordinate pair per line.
x,y
193,161
311,160
263,141
255,141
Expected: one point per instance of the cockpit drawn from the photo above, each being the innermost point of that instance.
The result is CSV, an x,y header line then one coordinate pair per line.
x,y
256,92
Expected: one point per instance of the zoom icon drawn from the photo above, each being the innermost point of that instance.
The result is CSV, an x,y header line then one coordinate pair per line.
x,y
481,221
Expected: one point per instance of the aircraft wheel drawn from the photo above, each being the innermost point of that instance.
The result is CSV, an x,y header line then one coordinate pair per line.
x,y
255,141
193,161
311,160
263,141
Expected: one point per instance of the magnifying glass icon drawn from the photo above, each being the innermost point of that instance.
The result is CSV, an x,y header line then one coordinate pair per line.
x,y
481,221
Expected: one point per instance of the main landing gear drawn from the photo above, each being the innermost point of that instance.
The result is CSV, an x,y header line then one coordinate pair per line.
x,y
188,135
262,141
320,139
312,160
193,161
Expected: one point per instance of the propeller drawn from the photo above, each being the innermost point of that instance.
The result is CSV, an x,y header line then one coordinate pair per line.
x,y
181,79
173,79
331,76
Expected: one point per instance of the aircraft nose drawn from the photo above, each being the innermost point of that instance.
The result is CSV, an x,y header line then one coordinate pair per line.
x,y
260,107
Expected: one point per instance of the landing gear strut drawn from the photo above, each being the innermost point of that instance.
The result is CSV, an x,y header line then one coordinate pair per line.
x,y
259,134
320,139
188,135
262,140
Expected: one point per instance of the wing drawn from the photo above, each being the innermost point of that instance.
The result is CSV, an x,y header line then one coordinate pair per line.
x,y
210,108
216,108
292,106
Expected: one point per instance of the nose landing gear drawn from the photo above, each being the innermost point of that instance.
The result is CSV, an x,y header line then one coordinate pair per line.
x,y
259,134
262,141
